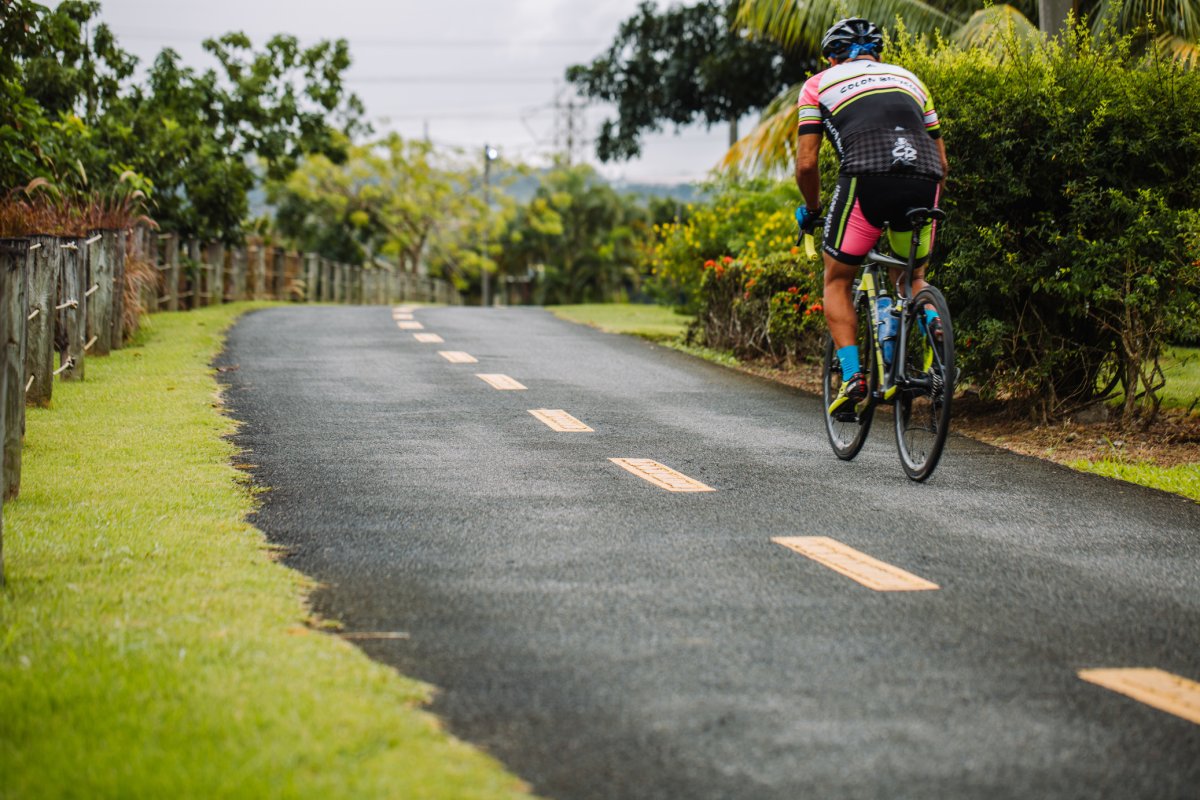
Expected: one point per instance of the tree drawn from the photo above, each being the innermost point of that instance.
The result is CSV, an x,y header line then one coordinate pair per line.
x,y
579,235
1174,29
70,112
395,198
677,66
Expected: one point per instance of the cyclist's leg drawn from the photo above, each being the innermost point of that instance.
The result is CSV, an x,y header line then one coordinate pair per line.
x,y
849,236
904,194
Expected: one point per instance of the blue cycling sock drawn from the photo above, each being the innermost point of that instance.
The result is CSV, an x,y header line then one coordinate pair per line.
x,y
849,358
930,315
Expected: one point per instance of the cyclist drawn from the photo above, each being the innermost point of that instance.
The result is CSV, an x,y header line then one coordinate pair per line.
x,y
881,121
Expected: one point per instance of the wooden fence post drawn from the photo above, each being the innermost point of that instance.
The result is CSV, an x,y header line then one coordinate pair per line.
x,y
171,272
118,292
312,266
72,310
14,258
237,275
151,251
216,273
100,302
277,273
45,264
257,271
323,283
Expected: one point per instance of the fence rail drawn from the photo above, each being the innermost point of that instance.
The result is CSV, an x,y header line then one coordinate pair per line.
x,y
80,297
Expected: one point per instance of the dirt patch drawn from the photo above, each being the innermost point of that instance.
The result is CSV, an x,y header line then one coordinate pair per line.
x,y
1174,438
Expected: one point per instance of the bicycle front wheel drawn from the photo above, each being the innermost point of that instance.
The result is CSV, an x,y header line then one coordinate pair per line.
x,y
922,411
848,427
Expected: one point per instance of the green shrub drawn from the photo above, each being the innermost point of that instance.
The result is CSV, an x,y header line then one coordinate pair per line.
x,y
1071,248
748,219
763,307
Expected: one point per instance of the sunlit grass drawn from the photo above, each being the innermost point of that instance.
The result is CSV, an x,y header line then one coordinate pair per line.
x,y
657,323
1183,479
150,646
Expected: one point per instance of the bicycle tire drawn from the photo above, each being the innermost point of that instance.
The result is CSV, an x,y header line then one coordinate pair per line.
x,y
847,437
922,412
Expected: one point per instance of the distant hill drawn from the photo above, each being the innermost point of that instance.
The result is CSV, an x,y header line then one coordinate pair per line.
x,y
523,188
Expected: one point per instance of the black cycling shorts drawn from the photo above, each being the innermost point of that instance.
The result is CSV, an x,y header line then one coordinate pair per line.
x,y
863,204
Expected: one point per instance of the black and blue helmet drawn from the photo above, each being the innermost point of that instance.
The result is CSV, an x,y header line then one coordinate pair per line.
x,y
851,37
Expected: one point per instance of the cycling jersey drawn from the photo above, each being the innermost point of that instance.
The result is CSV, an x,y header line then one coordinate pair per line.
x,y
879,117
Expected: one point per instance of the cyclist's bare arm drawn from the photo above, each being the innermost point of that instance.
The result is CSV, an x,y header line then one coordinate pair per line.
x,y
808,170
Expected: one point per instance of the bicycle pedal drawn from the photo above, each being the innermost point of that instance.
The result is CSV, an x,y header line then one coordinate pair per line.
x,y
845,416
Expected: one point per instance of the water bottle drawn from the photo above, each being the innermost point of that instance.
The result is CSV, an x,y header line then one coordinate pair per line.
x,y
888,327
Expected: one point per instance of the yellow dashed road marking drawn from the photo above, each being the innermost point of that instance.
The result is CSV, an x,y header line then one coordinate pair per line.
x,y
428,338
500,381
1154,687
409,325
399,317
403,309
854,565
661,475
458,357
559,420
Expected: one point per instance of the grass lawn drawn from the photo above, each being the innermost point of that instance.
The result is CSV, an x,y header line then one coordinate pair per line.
x,y
656,323
1183,479
1181,365
150,646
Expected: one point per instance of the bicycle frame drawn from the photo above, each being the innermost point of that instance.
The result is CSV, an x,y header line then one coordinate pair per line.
x,y
895,377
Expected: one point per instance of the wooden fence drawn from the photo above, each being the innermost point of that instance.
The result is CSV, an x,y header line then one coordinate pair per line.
x,y
68,295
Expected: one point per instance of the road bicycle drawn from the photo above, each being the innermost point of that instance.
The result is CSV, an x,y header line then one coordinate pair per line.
x,y
913,371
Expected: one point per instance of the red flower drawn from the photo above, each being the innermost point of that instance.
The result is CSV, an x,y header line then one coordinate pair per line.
x,y
795,306
804,299
793,290
709,264
727,259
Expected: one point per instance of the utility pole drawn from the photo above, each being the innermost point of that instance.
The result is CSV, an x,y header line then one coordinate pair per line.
x,y
568,126
490,154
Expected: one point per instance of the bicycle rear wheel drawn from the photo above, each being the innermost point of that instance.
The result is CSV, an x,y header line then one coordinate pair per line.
x,y
922,412
848,427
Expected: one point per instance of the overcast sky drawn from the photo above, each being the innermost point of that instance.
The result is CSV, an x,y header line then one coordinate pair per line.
x,y
466,71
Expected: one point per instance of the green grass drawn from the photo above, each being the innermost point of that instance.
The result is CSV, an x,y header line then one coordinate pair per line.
x,y
656,323
1181,366
149,644
1182,480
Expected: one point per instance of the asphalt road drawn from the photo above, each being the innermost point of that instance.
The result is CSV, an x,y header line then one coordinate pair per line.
x,y
606,638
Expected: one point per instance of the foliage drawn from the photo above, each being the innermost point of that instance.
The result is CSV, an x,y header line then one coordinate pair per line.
x,y
578,238
1168,29
1071,248
748,219
679,65
394,198
42,207
763,306
69,107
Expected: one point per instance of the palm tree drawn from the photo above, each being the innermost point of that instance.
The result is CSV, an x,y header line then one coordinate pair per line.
x,y
798,25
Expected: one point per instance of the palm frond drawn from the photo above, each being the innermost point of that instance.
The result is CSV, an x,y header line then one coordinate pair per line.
x,y
800,24
1186,53
992,28
1177,18
771,145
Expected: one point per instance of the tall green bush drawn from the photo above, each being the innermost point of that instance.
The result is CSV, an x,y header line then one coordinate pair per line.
x,y
1070,254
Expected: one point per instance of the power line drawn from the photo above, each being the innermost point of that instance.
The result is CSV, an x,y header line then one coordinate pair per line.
x,y
452,79
364,41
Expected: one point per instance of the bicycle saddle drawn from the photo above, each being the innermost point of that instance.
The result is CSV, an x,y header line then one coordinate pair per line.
x,y
919,215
